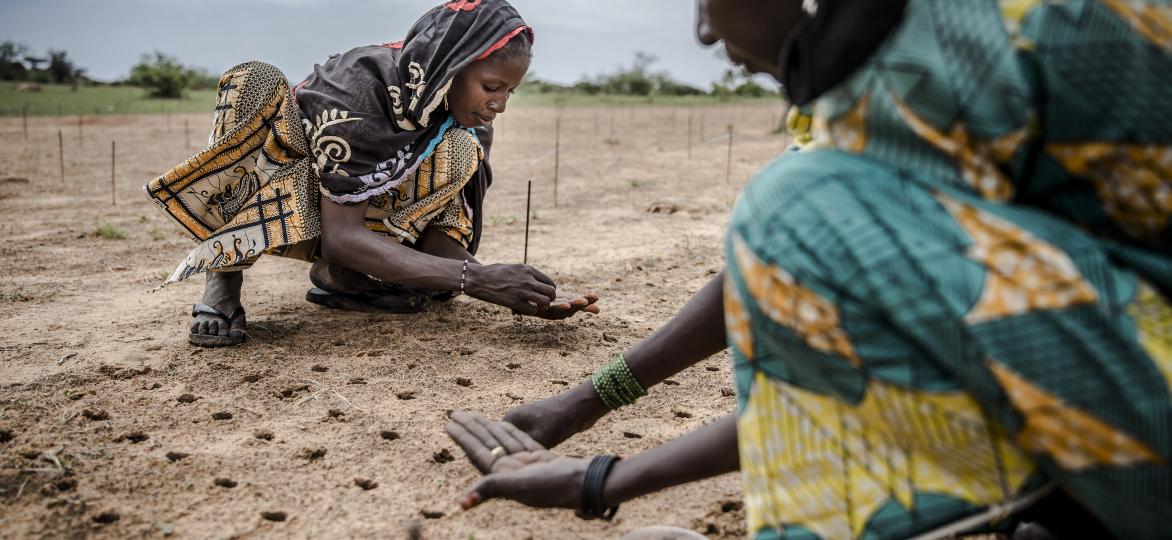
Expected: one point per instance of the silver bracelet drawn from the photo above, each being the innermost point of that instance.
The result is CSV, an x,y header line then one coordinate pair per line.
x,y
463,276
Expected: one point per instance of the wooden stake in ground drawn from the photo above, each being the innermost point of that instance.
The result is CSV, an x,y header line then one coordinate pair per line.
x,y
61,154
728,164
689,135
557,157
24,120
528,200
80,134
186,135
168,120
113,166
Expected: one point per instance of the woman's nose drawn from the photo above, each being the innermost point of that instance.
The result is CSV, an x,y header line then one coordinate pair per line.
x,y
498,106
703,29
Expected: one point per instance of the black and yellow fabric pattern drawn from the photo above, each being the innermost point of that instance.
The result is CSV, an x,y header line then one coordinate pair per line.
x,y
253,190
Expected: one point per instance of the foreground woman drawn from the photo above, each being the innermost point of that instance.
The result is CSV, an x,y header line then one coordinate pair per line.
x,y
950,308
397,136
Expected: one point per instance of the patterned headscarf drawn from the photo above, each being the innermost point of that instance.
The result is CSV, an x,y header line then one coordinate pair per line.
x,y
374,113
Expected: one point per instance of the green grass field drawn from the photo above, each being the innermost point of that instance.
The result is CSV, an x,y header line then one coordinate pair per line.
x,y
62,100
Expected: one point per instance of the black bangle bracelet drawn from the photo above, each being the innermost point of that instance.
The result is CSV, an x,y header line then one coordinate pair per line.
x,y
592,484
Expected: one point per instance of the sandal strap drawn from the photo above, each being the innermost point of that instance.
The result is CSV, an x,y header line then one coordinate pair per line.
x,y
204,309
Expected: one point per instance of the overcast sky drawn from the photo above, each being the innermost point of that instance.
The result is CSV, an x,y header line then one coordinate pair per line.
x,y
574,37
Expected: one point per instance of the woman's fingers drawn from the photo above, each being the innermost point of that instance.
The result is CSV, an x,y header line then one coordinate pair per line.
x,y
592,308
480,455
506,438
546,290
542,277
522,437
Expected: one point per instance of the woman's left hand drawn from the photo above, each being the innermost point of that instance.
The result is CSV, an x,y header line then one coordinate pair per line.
x,y
567,304
516,467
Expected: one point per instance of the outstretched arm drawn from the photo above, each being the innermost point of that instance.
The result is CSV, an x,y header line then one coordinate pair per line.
x,y
695,333
525,472
347,241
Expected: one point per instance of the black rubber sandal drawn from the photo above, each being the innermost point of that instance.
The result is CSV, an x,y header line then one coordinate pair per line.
x,y
404,301
209,340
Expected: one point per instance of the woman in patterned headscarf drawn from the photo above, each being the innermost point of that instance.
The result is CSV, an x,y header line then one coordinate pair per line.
x,y
949,311
397,136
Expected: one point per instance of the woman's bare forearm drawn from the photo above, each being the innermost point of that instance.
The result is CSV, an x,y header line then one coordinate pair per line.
x,y
347,242
695,333
704,453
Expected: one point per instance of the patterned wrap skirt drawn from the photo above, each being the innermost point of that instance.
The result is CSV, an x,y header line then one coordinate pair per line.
x,y
253,189
953,299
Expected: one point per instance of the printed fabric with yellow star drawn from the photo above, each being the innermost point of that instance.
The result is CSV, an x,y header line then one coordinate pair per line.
x,y
954,298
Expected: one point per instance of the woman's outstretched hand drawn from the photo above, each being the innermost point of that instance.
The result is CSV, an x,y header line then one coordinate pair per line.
x,y
515,466
525,290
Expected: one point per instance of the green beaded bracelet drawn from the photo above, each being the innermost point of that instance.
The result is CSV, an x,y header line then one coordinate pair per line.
x,y
615,385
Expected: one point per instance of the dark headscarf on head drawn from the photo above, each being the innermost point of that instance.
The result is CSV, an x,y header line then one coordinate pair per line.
x,y
374,113
825,48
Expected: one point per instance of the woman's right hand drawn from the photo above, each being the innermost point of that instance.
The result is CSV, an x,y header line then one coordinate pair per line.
x,y
519,287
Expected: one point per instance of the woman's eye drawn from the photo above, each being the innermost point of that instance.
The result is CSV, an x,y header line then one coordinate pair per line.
x,y
488,88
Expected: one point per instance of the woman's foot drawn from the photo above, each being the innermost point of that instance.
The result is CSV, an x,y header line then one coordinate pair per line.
x,y
219,321
338,287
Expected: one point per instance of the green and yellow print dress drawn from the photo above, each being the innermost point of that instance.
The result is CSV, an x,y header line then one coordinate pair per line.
x,y
954,298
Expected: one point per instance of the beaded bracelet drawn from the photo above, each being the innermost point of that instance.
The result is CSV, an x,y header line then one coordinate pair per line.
x,y
616,385
463,276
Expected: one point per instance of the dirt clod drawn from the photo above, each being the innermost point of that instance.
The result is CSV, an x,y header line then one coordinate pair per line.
x,y
176,456
443,456
274,516
6,435
221,415
464,381
671,382
134,437
712,368
319,368
431,514
729,506
409,394
513,365
252,378
609,338
683,414
335,413
727,392
390,435
187,398
263,435
107,517
65,484
311,454
95,414
632,435
225,482
358,380
365,483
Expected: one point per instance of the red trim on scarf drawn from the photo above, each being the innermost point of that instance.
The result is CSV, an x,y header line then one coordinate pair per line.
x,y
465,5
496,46
296,88
394,44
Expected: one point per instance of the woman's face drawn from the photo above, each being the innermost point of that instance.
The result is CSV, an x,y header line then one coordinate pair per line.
x,y
481,91
753,31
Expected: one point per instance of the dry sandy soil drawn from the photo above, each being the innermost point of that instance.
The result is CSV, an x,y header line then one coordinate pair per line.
x,y
111,425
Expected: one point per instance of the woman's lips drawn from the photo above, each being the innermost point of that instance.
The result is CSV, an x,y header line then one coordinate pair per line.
x,y
484,120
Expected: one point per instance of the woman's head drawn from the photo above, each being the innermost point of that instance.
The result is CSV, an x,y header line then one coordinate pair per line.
x,y
753,31
481,90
